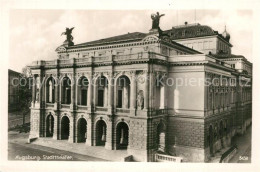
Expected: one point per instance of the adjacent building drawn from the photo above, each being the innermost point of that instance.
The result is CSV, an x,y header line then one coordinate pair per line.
x,y
13,90
145,93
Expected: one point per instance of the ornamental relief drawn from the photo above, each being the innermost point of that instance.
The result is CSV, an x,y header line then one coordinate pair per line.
x,y
127,73
99,74
150,39
84,116
60,49
99,117
166,39
62,75
81,74
120,119
68,114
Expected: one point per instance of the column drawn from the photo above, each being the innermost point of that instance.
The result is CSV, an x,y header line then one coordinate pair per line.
x,y
162,97
55,127
146,91
72,128
110,94
105,96
125,92
56,92
151,84
61,92
95,94
165,95
33,91
90,124
89,94
72,105
133,92
109,134
77,97
40,104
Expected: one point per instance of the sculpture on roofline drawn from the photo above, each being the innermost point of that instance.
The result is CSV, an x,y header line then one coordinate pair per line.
x,y
69,40
156,20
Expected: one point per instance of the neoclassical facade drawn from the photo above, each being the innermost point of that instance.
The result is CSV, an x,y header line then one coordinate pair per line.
x,y
133,92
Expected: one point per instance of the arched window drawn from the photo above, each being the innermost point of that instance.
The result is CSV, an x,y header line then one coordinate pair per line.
x,y
50,90
123,92
159,92
102,91
82,88
66,91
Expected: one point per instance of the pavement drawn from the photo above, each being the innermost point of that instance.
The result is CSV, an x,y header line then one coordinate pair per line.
x,y
243,143
82,148
18,149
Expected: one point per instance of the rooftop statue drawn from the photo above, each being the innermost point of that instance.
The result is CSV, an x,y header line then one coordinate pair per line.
x,y
156,20
68,33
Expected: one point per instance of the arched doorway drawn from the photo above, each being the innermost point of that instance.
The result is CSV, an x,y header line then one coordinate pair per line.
x,y
123,92
161,137
82,130
101,131
65,128
49,125
211,138
122,135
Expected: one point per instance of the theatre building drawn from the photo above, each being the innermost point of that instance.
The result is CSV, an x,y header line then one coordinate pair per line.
x,y
134,92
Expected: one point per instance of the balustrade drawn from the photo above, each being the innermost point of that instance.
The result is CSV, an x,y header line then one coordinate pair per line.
x,y
167,158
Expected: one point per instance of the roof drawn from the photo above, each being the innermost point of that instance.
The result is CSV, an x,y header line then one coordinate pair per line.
x,y
191,31
227,56
121,38
13,72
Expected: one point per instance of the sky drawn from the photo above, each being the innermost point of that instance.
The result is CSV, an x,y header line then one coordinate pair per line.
x,y
35,34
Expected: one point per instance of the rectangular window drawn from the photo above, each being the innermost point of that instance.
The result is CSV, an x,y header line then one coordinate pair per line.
x,y
83,97
120,99
101,98
68,96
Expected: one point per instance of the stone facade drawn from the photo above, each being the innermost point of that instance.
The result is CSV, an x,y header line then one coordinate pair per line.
x,y
138,114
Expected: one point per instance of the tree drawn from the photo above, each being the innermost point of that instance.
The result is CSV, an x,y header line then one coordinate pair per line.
x,y
25,92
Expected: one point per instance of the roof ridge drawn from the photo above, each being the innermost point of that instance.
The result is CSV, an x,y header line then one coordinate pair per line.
x,y
110,39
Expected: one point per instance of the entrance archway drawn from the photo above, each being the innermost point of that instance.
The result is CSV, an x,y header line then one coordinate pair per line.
x,y
122,135
49,125
82,130
65,128
101,131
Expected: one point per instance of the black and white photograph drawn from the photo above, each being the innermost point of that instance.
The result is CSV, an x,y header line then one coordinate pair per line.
x,y
109,85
